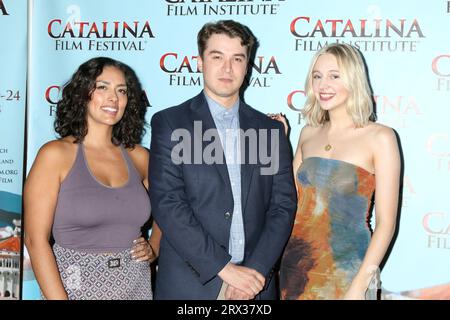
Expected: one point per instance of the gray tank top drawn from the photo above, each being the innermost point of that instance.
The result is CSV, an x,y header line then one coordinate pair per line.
x,y
92,217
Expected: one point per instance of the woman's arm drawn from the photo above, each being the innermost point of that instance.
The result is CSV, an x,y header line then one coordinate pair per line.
x,y
145,250
387,174
40,197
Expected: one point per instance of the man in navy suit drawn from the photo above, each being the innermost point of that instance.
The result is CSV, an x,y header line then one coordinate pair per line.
x,y
222,189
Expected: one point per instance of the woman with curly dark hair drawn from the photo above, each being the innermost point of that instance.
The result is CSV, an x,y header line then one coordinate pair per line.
x,y
88,190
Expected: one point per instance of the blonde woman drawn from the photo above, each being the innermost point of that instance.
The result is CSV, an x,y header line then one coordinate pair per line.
x,y
342,157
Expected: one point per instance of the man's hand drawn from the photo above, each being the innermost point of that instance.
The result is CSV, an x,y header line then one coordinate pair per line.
x,y
232,293
248,282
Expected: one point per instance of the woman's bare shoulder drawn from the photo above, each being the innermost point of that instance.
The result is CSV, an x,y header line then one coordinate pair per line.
x,y
55,157
381,137
139,152
58,149
140,157
309,131
380,131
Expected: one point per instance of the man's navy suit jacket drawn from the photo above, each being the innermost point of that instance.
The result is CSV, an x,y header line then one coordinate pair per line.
x,y
193,205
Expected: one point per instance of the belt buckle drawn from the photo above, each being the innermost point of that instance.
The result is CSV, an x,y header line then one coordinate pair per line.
x,y
114,263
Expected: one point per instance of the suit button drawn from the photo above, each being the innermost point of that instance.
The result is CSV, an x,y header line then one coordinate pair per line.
x,y
227,215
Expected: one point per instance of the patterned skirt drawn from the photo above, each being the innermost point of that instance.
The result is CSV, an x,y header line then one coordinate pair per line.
x,y
103,276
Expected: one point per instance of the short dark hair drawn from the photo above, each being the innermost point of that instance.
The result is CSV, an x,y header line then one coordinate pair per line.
x,y
71,108
231,28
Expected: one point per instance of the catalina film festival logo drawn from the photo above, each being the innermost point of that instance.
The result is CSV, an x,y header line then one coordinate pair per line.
x,y
182,70
77,34
52,95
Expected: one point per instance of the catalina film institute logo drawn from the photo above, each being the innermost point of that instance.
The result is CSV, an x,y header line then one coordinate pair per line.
x,y
366,34
223,7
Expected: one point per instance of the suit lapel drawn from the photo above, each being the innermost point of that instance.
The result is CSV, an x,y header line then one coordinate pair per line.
x,y
246,121
200,112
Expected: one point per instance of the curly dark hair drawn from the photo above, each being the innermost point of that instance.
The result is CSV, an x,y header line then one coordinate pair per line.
x,y
71,109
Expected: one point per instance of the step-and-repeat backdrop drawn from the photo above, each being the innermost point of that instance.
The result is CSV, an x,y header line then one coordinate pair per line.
x,y
13,73
405,44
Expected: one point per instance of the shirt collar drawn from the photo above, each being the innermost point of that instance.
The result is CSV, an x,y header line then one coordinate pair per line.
x,y
217,110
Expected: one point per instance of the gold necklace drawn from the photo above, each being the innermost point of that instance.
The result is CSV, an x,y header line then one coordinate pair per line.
x,y
328,145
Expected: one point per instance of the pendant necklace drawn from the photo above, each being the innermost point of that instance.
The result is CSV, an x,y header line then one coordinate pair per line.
x,y
328,145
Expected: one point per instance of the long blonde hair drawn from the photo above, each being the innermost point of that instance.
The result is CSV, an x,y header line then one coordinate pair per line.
x,y
353,73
